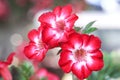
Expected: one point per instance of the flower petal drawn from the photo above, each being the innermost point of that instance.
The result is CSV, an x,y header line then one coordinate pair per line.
x,y
48,17
91,43
96,54
95,63
33,52
67,46
81,70
57,11
75,40
52,38
66,11
10,58
65,61
33,35
5,73
29,50
70,21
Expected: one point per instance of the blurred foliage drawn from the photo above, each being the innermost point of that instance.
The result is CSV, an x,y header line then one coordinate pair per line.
x,y
110,70
23,72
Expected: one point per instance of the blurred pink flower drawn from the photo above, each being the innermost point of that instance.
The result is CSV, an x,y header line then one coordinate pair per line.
x,y
40,5
43,74
81,55
22,3
19,50
4,71
4,10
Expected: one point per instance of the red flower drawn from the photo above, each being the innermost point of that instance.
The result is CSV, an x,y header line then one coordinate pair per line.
x,y
36,49
4,71
81,55
60,23
43,74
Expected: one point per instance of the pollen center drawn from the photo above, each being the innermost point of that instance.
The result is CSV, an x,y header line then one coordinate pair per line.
x,y
60,24
80,54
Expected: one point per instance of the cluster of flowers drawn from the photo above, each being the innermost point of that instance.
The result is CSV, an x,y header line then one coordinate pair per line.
x,y
80,53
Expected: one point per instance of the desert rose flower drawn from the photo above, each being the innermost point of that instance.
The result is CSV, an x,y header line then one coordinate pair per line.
x,y
81,55
36,50
61,22
4,71
43,74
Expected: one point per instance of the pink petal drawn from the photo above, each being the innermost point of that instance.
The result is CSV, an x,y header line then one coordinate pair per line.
x,y
92,43
66,11
70,21
67,46
96,54
81,70
39,56
45,33
33,35
52,76
29,50
94,63
10,58
53,43
52,38
65,61
33,52
5,73
57,11
75,40
48,17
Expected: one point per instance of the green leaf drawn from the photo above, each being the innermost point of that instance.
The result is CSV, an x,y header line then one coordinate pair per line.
x,y
26,68
88,28
17,74
89,24
77,29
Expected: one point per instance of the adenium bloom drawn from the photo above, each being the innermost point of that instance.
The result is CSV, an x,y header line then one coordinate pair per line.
x,y
59,24
36,50
4,71
43,74
81,55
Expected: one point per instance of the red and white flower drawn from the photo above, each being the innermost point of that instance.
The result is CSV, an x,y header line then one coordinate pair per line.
x,y
81,55
37,49
4,70
59,23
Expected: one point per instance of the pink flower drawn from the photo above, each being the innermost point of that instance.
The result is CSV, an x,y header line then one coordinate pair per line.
x,y
4,71
36,50
81,55
43,74
59,24
4,9
40,5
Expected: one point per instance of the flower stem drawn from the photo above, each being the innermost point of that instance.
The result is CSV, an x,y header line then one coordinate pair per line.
x,y
74,77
